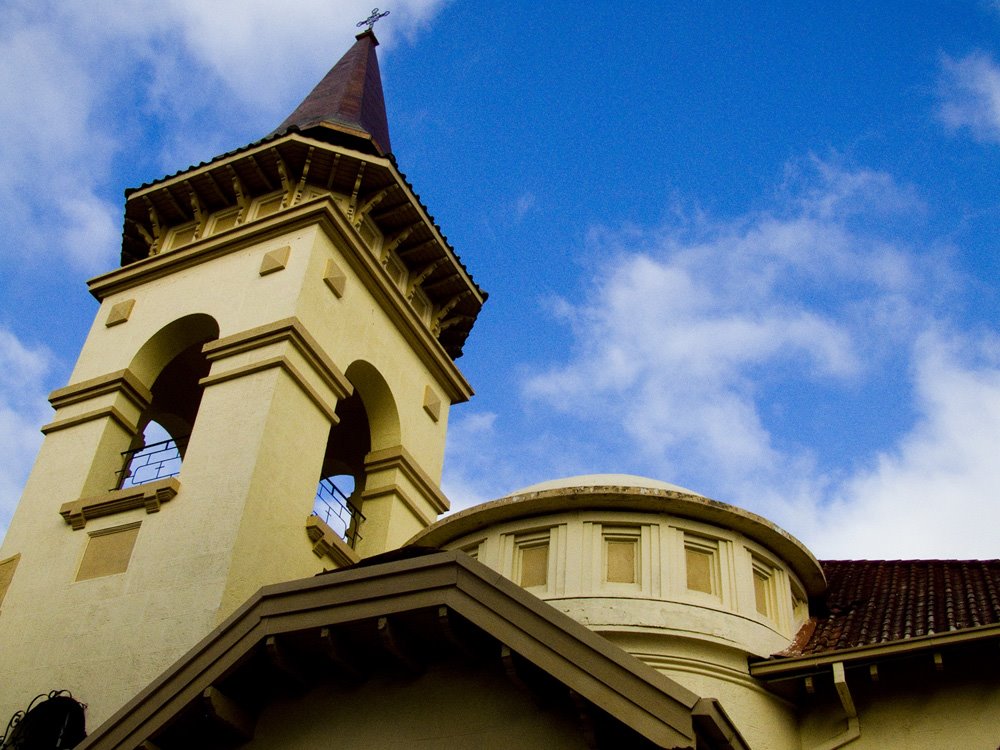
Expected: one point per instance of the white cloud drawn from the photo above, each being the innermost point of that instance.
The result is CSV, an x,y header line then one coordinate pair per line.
x,y
523,205
22,410
687,326
936,493
683,320
75,74
52,157
470,456
969,89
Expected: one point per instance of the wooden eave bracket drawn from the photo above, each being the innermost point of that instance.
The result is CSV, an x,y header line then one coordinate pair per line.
x,y
369,204
301,184
395,645
227,713
284,664
341,655
149,496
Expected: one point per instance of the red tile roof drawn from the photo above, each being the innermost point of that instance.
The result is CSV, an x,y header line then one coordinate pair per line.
x,y
349,98
873,602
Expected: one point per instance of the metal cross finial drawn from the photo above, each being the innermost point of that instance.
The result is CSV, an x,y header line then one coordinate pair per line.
x,y
370,21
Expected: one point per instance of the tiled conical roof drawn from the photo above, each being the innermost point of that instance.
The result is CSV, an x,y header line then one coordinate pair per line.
x,y
349,98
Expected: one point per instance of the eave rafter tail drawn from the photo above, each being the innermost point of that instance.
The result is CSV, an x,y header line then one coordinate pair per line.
x,y
370,203
301,184
242,196
352,207
197,210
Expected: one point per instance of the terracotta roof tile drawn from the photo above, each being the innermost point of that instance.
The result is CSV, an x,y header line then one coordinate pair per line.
x,y
873,602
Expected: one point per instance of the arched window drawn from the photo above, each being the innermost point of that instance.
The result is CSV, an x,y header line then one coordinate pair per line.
x,y
368,421
174,363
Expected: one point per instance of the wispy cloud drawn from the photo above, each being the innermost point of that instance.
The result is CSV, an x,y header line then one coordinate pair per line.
x,y
696,333
22,411
969,91
524,204
684,318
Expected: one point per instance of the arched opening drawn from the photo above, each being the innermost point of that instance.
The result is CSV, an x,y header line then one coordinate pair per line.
x,y
172,363
342,479
368,421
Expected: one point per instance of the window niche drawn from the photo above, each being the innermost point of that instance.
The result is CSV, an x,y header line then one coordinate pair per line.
x,y
531,559
108,552
764,588
158,451
621,547
342,477
701,565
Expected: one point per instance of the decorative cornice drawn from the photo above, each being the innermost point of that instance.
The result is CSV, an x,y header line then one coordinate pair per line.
x,y
109,411
327,544
149,496
400,458
122,381
294,332
324,213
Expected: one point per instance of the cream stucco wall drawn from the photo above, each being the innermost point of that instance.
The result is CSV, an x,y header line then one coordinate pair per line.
x,y
912,705
702,640
278,367
449,705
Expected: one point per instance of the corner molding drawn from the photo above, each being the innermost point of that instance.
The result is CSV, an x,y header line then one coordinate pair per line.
x,y
398,458
149,496
326,543
124,381
288,329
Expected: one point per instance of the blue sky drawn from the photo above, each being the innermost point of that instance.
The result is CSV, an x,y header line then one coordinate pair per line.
x,y
752,251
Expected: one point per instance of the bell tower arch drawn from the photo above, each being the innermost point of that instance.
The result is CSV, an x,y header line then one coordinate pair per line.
x,y
287,313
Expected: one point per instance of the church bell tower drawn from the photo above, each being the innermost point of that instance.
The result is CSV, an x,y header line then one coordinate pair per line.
x,y
287,316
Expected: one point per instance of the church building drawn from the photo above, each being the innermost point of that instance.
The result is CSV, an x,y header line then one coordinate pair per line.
x,y
276,569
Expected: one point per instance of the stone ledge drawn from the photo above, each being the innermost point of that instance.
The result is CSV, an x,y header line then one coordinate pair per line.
x,y
326,543
149,496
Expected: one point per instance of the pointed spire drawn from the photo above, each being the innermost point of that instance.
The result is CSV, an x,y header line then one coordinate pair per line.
x,y
348,99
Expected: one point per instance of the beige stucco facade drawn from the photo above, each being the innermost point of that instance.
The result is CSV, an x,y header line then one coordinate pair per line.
x,y
704,586
289,312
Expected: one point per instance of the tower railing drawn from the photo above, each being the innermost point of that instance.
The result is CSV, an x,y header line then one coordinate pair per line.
x,y
338,512
150,462
163,459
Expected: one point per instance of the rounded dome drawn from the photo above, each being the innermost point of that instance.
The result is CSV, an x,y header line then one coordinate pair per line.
x,y
602,480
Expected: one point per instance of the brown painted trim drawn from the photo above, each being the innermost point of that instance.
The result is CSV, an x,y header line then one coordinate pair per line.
x,y
632,692
399,457
149,496
714,725
282,363
293,331
123,381
792,665
107,412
